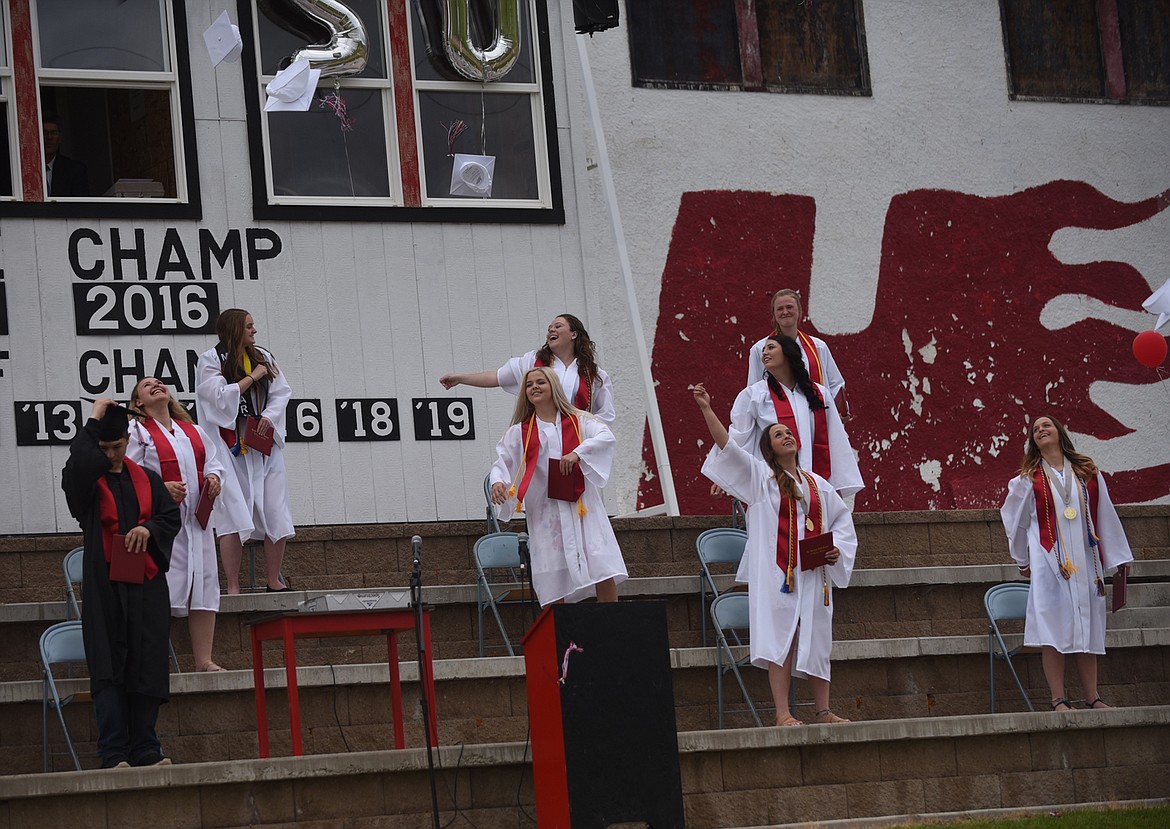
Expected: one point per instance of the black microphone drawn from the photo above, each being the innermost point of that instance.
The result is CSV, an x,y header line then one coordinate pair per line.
x,y
522,540
416,549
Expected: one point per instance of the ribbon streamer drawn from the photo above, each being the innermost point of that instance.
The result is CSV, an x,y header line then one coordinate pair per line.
x,y
453,132
573,648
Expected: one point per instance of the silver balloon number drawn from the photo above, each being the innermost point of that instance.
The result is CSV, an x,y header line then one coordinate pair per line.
x,y
454,19
348,48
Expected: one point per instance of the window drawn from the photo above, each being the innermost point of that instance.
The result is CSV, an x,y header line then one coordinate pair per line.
x,y
105,108
394,162
7,122
1088,50
806,46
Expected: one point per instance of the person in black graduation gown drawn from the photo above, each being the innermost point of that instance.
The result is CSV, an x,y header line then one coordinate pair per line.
x,y
126,627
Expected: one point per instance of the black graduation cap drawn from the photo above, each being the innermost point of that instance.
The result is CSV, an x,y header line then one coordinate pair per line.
x,y
115,422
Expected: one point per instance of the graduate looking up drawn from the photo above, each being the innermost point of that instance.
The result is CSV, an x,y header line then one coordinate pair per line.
x,y
129,521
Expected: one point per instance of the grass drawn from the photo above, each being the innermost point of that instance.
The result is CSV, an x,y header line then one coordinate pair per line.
x,y
1079,819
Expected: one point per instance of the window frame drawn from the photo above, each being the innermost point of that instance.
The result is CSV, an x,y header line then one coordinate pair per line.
x,y
27,79
413,205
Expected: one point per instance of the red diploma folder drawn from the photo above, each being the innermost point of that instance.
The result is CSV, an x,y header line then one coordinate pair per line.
x,y
254,440
1120,583
563,487
813,549
203,508
126,566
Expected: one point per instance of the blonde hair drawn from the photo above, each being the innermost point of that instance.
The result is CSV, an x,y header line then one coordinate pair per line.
x,y
772,305
174,407
524,408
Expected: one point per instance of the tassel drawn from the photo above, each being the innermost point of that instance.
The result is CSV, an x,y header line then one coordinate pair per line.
x,y
1068,569
825,588
1100,588
581,508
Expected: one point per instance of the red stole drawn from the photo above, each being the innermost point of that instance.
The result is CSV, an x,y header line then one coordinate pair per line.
x,y
1046,509
108,509
787,533
822,461
583,399
168,462
815,370
530,440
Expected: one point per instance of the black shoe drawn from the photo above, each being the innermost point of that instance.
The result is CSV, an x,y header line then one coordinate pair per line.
x,y
270,589
154,758
115,763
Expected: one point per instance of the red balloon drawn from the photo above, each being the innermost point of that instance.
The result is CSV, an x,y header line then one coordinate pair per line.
x,y
1149,347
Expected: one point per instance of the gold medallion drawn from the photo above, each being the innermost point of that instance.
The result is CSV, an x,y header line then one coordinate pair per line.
x,y
1070,513
808,525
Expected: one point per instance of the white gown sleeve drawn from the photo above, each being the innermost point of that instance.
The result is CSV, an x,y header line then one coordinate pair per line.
x,y
511,373
595,451
508,454
218,401
756,362
1016,514
213,455
275,407
846,478
742,431
603,408
833,378
738,472
839,521
1115,549
139,440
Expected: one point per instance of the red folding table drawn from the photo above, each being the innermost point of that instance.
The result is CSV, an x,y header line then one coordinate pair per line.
x,y
294,625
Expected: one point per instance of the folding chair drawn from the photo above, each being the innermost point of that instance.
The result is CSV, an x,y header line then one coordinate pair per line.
x,y
61,644
721,545
72,569
729,612
738,514
1004,602
493,523
496,553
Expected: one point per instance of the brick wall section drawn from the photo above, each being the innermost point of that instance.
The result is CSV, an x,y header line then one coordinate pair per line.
x,y
378,555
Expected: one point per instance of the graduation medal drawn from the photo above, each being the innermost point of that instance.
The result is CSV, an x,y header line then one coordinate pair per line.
x,y
1070,513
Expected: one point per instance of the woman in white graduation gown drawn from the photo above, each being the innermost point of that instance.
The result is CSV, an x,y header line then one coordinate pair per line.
x,y
570,353
787,395
790,608
237,380
815,354
184,456
1065,536
575,554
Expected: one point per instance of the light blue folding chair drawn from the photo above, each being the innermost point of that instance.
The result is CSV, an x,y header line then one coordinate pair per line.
x,y
721,545
1003,603
497,565
493,523
729,613
61,644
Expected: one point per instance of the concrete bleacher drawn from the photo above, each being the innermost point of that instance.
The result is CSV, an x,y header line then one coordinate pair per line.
x,y
910,666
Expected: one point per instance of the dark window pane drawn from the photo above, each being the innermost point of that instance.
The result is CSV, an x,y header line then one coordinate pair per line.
x,y
813,45
277,43
311,156
5,153
1054,48
102,34
521,72
1145,45
678,43
509,138
123,136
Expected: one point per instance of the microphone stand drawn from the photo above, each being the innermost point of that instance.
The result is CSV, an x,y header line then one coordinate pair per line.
x,y
526,577
416,602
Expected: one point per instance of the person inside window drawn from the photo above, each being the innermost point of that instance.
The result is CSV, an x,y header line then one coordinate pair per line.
x,y
64,176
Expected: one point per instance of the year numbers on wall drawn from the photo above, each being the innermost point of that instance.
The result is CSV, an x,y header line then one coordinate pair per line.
x,y
446,418
302,422
46,422
368,418
145,308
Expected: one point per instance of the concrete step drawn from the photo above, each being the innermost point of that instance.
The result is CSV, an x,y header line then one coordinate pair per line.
x,y
346,707
879,604
742,777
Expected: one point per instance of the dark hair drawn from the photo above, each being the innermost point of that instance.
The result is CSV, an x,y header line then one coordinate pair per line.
x,y
583,349
795,360
229,327
783,480
1082,464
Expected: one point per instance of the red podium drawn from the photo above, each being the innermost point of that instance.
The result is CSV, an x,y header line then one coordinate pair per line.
x,y
601,712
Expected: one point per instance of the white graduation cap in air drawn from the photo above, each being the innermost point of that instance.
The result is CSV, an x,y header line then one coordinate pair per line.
x,y
471,175
223,41
292,89
1159,303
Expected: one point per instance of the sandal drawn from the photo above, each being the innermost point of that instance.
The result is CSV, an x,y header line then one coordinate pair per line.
x,y
1093,704
788,722
1056,703
211,667
827,716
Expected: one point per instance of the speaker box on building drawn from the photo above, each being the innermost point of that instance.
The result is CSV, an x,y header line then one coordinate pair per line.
x,y
591,16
